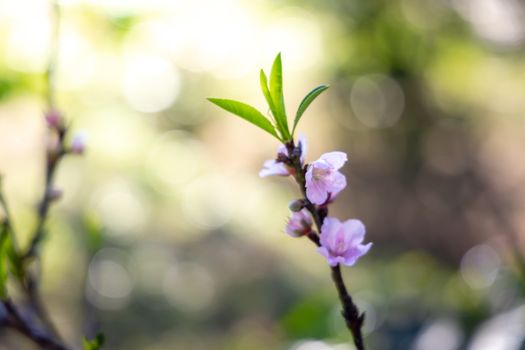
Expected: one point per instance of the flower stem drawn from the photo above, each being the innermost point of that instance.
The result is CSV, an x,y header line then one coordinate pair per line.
x,y
353,318
17,321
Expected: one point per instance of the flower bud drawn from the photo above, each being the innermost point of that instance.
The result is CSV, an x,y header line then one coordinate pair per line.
x,y
54,194
54,119
299,224
78,144
296,205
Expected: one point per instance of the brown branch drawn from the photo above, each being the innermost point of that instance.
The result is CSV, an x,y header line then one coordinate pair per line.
x,y
53,157
18,322
353,318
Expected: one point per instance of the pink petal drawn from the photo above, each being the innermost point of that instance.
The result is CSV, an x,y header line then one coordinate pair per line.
x,y
329,231
272,167
352,255
314,189
335,159
335,260
335,183
304,147
316,194
355,229
324,252
282,149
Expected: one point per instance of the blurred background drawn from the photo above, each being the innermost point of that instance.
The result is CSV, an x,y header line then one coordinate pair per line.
x,y
166,238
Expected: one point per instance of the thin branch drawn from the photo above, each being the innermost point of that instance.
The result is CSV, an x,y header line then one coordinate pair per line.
x,y
53,55
27,280
18,322
52,160
353,318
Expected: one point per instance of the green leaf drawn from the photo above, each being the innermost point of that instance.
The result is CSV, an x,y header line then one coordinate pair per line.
x,y
307,100
276,91
246,112
266,92
94,232
95,343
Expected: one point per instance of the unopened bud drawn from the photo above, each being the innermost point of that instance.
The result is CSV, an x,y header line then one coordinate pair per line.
x,y
54,194
299,224
296,205
54,119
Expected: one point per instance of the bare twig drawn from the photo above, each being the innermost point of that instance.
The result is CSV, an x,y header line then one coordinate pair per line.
x,y
18,322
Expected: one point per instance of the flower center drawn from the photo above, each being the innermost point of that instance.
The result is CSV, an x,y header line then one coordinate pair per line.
x,y
320,173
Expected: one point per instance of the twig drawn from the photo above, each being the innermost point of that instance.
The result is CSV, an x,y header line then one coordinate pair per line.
x,y
15,320
26,279
52,161
53,54
353,318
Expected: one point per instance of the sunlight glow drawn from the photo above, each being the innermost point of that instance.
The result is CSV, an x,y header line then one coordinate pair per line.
x,y
150,84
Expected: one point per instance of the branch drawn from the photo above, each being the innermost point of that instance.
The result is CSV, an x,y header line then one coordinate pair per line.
x,y
15,320
353,318
53,158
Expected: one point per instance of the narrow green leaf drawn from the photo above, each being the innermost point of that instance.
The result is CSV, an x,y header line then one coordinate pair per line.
x,y
246,112
307,100
266,92
276,91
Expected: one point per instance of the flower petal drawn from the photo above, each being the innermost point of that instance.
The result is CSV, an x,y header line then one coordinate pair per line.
x,y
304,147
335,159
356,230
324,252
315,193
335,183
335,260
272,167
352,255
329,231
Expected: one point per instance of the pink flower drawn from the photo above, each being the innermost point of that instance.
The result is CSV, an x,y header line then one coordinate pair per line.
x,y
275,167
299,224
324,179
78,144
54,119
341,241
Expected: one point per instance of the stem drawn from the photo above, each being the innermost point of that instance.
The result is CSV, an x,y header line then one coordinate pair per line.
x,y
353,318
27,280
53,53
47,199
31,254
16,321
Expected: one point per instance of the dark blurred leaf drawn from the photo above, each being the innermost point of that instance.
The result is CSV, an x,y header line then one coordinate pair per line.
x,y
246,112
308,319
307,100
94,232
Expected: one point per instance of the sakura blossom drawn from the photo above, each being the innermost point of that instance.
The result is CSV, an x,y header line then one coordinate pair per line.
x,y
323,180
78,144
341,241
54,119
299,224
277,166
